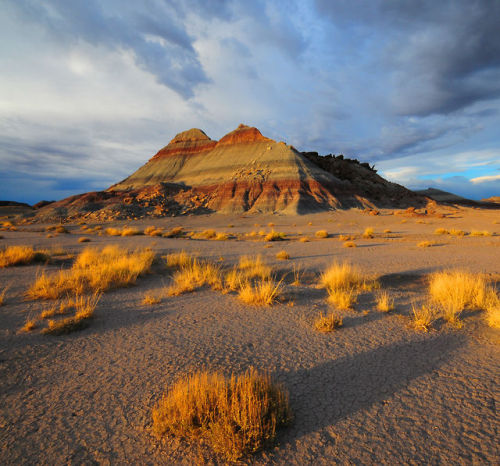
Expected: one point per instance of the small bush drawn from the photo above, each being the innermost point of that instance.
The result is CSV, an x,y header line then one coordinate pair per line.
x,y
151,298
130,232
113,231
493,311
21,255
206,234
480,233
422,318
3,293
441,231
457,232
326,324
84,239
425,244
387,230
236,416
275,236
153,231
346,237
252,267
384,302
304,239
321,234
29,325
349,244
282,255
61,229
175,232
368,233
221,237
263,292
194,275
343,299
178,259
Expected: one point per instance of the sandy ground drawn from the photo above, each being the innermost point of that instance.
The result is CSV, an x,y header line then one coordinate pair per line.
x,y
375,391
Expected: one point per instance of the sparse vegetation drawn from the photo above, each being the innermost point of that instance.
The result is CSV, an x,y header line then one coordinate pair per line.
x,y
480,233
328,323
84,239
153,231
441,231
282,255
275,236
262,292
178,259
384,302
493,311
321,234
425,244
3,293
252,267
193,275
346,237
151,299
236,416
175,232
29,325
297,275
455,232
368,233
21,255
131,232
94,270
349,244
422,317
206,234
343,298
221,236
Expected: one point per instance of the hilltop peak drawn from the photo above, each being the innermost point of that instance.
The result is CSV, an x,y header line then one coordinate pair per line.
x,y
193,134
243,134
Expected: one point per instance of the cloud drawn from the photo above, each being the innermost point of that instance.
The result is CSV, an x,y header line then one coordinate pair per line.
x,y
485,179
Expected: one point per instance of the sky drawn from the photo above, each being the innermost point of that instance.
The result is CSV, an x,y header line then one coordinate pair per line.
x,y
91,89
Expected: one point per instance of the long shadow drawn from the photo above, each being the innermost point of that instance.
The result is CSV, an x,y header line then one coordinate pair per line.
x,y
336,389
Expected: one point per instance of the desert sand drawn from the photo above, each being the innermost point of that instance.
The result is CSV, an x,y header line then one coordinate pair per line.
x,y
375,391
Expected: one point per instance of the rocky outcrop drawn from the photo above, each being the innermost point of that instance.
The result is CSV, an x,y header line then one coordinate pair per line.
x,y
242,172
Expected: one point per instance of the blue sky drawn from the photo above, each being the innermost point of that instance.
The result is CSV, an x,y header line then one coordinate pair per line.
x,y
91,89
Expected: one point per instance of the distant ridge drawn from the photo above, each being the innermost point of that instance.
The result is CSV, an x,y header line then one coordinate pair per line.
x,y
242,172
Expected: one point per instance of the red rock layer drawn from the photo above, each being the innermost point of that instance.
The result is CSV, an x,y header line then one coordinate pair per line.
x,y
193,141
243,134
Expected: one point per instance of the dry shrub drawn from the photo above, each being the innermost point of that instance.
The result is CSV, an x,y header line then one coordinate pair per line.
x,y
422,317
453,291
297,275
368,233
326,324
425,244
206,234
84,239
94,270
275,236
252,234
178,259
441,231
455,232
343,299
175,232
346,237
21,255
270,224
254,266
151,298
113,231
262,292
236,416
387,230
131,232
61,229
321,234
349,244
193,275
153,231
283,255
29,325
384,302
221,237
304,239
480,233
3,293
493,311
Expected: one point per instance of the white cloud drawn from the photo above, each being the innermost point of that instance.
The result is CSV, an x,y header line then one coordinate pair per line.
x,y
485,179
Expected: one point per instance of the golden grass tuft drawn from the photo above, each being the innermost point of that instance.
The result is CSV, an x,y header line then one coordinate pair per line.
x,y
384,302
94,270
153,231
113,231
206,234
425,244
221,236
282,255
387,230
275,236
346,237
304,239
151,298
193,275
349,244
441,231
178,259
262,292
131,232
368,233
321,234
480,233
175,232
236,416
493,311
343,299
3,293
422,317
84,239
453,291
326,324
21,255
254,266
455,232
29,325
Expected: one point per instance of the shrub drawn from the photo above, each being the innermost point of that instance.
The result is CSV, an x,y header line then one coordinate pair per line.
x,y
83,239
457,232
275,236
422,317
206,234
130,232
263,292
29,325
221,236
441,231
480,233
3,294
21,255
346,237
493,311
151,298
193,275
61,229
304,239
94,270
178,259
282,255
326,324
368,233
252,267
343,299
384,302
425,244
349,244
113,231
153,231
321,234
342,276
174,233
236,416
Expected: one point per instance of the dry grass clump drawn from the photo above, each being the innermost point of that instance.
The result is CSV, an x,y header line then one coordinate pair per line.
x,y
343,299
29,325
346,237
480,233
21,255
236,416
453,291
131,232
384,302
326,324
94,270
175,232
3,294
304,239
368,233
153,231
275,236
221,236
262,292
425,244
84,239
84,307
493,311
321,234
441,231
61,229
422,317
455,232
113,231
282,255
387,230
193,275
254,266
151,299
206,234
178,259
349,244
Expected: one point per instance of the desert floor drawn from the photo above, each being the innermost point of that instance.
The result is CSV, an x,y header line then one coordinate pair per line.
x,y
373,391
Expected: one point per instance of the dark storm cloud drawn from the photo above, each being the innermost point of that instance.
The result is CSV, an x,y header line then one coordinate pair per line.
x,y
443,55
154,32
